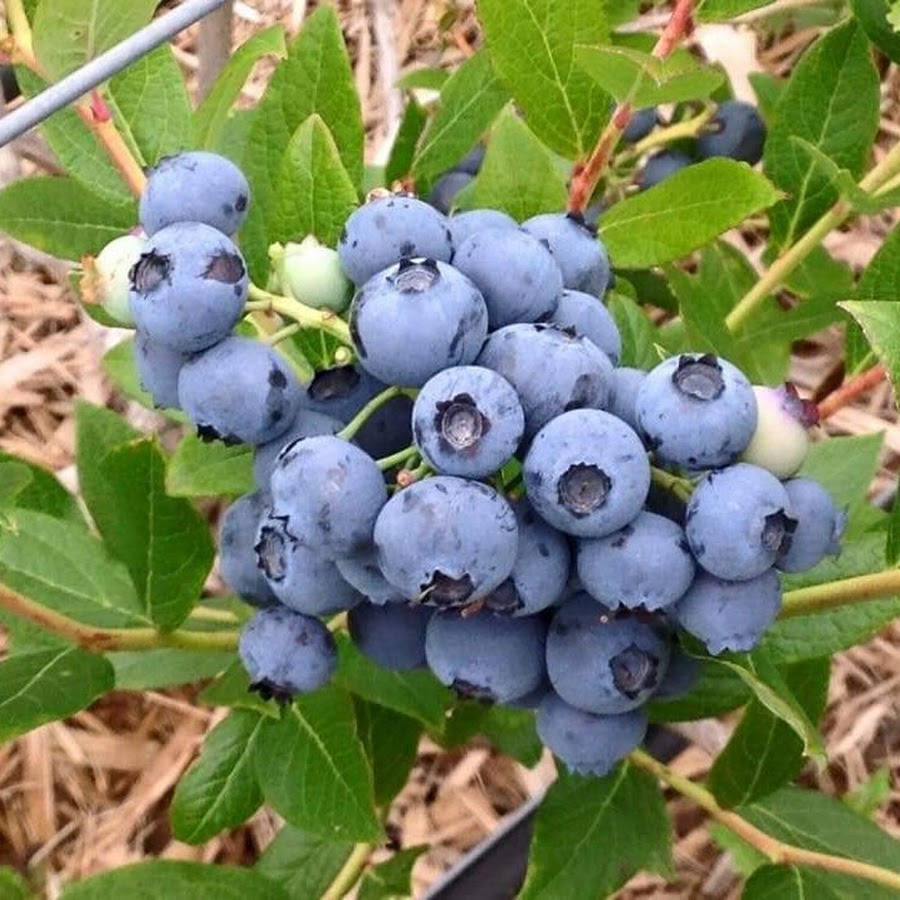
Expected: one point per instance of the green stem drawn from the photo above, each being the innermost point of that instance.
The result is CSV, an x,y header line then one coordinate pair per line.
x,y
282,334
348,432
821,597
778,272
680,487
397,459
18,25
350,873
690,128
304,316
775,850
103,640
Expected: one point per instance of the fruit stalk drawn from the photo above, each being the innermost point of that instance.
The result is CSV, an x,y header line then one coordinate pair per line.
x,y
587,174
831,594
850,390
348,432
349,874
304,316
775,850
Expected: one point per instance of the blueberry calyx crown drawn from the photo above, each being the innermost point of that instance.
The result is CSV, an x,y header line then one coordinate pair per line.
x,y
149,272
699,378
777,530
583,488
225,267
633,671
416,276
460,422
269,690
270,550
468,691
445,590
804,411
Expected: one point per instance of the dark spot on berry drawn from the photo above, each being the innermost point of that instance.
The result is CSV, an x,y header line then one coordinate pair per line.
x,y
241,203
469,691
149,272
358,344
225,267
407,248
277,378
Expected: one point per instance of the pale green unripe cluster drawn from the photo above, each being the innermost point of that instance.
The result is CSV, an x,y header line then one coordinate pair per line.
x,y
312,274
105,279
781,440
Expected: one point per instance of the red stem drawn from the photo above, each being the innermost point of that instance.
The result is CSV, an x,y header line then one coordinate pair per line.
x,y
850,390
586,175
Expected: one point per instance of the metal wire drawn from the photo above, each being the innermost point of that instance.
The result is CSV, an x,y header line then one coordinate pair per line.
x,y
103,67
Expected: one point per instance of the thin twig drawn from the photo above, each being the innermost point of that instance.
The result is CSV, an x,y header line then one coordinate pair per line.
x,y
850,390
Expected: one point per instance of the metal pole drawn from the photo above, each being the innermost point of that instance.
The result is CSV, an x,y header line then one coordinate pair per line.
x,y
103,67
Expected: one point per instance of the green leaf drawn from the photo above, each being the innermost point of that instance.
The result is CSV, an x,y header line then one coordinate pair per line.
x,y
831,101
763,752
313,768
220,789
773,694
14,478
872,16
416,694
61,566
391,742
47,685
164,541
815,821
470,101
62,217
682,213
12,887
718,691
426,79
315,78
745,858
866,798
212,114
772,882
532,47
232,688
592,834
399,164
881,278
151,105
315,194
118,363
301,863
176,881
518,175
880,323
636,330
510,730
44,493
144,670
391,880
208,469
724,10
77,147
643,79
69,33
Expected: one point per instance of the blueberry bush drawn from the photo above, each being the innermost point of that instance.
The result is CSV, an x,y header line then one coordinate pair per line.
x,y
502,428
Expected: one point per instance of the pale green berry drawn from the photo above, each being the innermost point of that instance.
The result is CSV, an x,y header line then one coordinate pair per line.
x,y
313,274
781,440
105,280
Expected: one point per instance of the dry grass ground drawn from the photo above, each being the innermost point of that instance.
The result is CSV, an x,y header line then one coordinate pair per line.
x,y
91,793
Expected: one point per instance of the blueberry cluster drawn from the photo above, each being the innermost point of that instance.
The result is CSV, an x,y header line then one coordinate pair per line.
x,y
736,131
484,490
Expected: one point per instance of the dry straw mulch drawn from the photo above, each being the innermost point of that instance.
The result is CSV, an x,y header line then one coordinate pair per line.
x,y
91,793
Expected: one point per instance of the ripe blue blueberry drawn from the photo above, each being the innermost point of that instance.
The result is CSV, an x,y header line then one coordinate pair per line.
x,y
736,131
604,662
484,656
239,391
286,653
362,572
623,391
196,186
388,229
661,166
586,473
580,255
443,192
392,636
158,366
541,572
588,744
416,318
647,563
516,274
588,317
551,370
464,224
300,578
471,162
697,411
237,559
188,287
467,421
820,525
329,494
307,423
738,521
642,122
681,676
729,615
446,541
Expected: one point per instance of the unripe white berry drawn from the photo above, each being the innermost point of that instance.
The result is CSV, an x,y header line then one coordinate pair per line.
x,y
781,440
